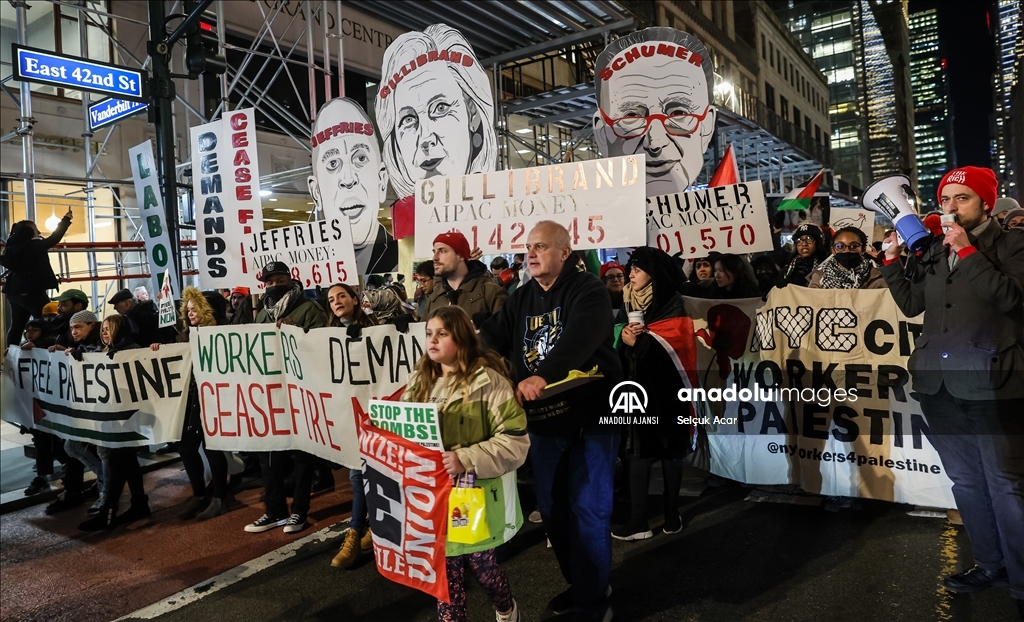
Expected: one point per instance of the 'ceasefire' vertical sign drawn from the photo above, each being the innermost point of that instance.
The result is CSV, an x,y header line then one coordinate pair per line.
x,y
226,187
151,211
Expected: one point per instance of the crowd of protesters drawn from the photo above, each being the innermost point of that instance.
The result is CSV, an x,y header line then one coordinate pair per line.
x,y
497,335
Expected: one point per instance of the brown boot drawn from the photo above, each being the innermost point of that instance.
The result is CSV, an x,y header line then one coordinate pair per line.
x,y
349,552
366,542
953,516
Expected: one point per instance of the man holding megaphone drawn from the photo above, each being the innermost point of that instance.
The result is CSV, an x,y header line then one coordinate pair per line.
x,y
968,369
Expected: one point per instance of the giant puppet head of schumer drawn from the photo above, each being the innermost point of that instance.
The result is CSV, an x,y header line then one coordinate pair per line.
x,y
654,97
434,108
349,181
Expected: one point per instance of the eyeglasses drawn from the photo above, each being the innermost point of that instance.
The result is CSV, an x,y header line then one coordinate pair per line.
x,y
634,126
615,277
803,240
856,246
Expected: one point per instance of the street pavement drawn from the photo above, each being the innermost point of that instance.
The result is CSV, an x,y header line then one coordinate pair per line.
x,y
746,554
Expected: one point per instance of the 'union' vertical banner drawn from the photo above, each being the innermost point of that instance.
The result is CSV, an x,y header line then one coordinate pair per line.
x,y
226,189
407,495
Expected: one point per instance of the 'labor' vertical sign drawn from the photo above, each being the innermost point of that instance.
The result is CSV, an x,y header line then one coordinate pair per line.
x,y
152,214
226,187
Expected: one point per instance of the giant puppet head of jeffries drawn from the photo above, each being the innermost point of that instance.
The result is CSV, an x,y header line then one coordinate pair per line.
x,y
654,97
349,180
435,109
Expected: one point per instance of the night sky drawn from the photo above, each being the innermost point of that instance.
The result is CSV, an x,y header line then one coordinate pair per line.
x,y
969,46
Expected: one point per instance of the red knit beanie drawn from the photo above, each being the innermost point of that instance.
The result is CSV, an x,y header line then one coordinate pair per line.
x,y
979,179
608,266
457,242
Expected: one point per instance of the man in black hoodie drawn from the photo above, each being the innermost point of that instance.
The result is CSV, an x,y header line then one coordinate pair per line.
x,y
558,321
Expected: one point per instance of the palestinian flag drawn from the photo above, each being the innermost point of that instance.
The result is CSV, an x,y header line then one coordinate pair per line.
x,y
800,198
677,336
727,172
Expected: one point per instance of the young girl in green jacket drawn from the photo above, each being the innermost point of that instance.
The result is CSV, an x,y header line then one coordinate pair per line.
x,y
483,430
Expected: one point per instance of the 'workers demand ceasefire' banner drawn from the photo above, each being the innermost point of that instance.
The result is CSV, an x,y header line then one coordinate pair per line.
x,y
820,395
134,399
268,389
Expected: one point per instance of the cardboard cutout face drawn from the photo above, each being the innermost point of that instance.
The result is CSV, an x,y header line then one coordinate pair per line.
x,y
654,99
435,109
349,180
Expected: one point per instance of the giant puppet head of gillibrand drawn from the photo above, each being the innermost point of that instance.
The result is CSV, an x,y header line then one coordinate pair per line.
x,y
654,97
349,181
434,109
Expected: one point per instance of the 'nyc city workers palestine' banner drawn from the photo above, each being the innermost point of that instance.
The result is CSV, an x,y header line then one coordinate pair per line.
x,y
407,491
135,399
264,389
829,403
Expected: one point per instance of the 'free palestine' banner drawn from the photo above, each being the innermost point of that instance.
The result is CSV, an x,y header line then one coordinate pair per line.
x,y
268,389
134,399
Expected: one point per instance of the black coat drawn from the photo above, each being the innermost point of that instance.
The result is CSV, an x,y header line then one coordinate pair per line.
x,y
647,363
145,323
31,271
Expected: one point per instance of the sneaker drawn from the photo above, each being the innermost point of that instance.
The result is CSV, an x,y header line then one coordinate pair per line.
x,y
104,519
194,506
976,580
63,502
295,523
138,511
215,508
511,616
96,506
349,551
265,523
562,603
672,525
631,533
36,486
535,517
366,542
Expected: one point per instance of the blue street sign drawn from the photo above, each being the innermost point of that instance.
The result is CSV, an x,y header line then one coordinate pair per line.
x,y
33,65
111,110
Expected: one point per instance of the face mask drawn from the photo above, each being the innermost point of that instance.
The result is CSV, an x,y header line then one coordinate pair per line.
x,y
276,292
849,260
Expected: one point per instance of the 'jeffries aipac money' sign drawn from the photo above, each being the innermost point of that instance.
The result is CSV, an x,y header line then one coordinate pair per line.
x,y
601,203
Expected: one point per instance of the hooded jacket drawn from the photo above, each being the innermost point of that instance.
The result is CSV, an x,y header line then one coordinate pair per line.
x,y
476,293
551,333
302,311
146,322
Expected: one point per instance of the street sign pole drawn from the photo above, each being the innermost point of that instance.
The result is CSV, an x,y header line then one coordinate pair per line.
x,y
162,93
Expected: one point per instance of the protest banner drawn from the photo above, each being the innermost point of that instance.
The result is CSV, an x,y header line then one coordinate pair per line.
x,y
863,219
820,396
414,421
600,202
318,252
407,491
268,389
151,210
226,188
165,303
725,219
134,399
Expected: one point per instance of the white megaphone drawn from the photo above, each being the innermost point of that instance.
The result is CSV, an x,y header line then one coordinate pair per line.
x,y
893,197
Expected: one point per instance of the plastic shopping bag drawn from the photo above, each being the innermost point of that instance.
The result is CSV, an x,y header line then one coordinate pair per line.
x,y
467,513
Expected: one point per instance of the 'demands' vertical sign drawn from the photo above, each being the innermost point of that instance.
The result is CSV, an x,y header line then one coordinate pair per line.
x,y
226,187
151,209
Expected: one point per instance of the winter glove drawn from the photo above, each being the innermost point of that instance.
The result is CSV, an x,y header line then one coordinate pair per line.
x,y
354,331
401,322
76,354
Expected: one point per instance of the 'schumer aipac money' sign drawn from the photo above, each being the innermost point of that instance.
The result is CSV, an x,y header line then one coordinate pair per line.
x,y
724,219
226,188
601,203
134,399
264,389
